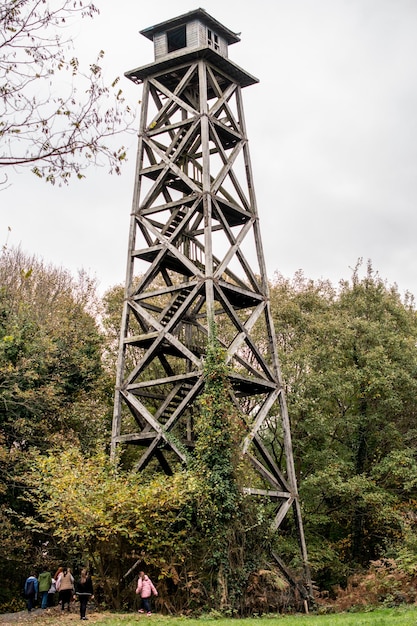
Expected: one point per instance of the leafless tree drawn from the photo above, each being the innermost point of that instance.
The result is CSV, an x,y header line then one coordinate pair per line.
x,y
54,117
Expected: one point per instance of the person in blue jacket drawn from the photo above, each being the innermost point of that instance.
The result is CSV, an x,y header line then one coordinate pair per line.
x,y
31,591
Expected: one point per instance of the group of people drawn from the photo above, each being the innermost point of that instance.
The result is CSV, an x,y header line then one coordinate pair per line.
x,y
45,586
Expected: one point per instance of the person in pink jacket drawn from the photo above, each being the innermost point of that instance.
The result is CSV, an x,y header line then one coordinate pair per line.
x,y
146,589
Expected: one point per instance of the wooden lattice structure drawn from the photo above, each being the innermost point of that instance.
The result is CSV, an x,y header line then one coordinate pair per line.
x,y
195,257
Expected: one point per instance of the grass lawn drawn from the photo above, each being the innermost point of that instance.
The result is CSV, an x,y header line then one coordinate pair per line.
x,y
403,616
381,617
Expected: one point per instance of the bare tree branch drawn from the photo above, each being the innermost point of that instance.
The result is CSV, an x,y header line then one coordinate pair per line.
x,y
55,117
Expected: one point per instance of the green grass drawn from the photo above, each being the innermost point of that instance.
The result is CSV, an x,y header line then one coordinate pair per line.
x,y
379,617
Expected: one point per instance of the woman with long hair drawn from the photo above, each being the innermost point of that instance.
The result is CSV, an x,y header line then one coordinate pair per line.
x,y
84,591
65,586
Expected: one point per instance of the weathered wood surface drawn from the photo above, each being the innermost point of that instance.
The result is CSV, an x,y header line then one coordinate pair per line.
x,y
196,256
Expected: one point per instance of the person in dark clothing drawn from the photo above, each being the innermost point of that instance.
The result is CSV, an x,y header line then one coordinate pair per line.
x,y
84,591
31,591
52,593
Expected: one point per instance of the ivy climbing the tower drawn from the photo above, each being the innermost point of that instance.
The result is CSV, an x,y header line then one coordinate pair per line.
x,y
216,464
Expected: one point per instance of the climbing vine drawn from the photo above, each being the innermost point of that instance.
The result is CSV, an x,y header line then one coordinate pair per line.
x,y
216,463
216,456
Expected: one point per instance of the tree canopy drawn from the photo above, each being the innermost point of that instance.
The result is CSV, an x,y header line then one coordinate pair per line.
x,y
349,361
51,382
50,352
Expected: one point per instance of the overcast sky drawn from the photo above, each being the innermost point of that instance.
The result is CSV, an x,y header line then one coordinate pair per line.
x,y
332,133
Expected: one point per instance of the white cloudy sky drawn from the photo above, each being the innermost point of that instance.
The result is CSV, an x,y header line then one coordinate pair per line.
x,y
332,129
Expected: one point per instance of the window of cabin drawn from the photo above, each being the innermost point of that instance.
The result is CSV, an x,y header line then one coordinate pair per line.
x,y
213,39
177,38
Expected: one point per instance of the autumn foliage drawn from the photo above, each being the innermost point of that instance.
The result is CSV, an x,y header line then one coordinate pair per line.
x,y
349,361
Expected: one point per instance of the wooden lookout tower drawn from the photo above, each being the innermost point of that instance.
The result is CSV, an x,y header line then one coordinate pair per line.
x,y
195,262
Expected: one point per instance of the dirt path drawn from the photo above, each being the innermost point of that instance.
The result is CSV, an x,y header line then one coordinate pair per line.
x,y
20,616
47,617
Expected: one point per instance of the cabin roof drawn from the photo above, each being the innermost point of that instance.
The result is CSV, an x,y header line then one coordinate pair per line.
x,y
200,14
242,77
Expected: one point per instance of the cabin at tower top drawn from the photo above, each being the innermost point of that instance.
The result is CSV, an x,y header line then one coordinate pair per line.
x,y
195,29
193,35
